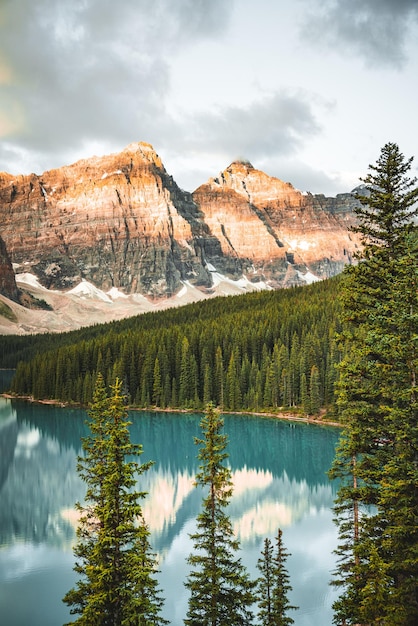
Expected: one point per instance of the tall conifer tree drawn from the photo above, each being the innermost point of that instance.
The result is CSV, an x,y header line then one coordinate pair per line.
x,y
377,458
117,568
220,590
274,585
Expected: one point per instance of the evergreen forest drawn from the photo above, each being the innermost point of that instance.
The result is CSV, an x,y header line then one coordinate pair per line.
x,y
348,344
260,351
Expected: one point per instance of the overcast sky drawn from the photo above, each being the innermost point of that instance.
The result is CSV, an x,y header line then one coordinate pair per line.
x,y
307,90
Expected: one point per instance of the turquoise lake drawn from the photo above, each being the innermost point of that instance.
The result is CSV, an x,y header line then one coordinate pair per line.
x,y
279,473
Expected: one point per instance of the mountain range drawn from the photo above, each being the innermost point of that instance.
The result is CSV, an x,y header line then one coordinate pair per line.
x,y
113,236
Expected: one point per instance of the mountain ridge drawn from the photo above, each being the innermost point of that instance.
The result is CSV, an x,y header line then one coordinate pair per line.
x,y
121,222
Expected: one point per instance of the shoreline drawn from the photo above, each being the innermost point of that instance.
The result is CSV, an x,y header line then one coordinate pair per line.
x,y
285,416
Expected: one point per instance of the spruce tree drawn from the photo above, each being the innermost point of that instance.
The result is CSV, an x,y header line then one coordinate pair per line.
x,y
388,201
314,391
304,396
265,585
273,585
117,585
376,506
221,592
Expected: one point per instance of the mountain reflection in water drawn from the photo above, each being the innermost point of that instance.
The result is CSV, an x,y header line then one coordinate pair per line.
x,y
279,475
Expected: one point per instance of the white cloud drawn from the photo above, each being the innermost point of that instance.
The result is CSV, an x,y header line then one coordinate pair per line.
x,y
207,82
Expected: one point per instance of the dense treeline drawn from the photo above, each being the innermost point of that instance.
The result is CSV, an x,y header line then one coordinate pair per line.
x,y
262,350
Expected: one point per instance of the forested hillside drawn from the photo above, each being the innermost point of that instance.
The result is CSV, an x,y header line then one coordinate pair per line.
x,y
258,351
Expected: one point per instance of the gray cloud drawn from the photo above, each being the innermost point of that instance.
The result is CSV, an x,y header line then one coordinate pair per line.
x,y
306,178
79,71
376,30
276,124
86,72
80,77
269,129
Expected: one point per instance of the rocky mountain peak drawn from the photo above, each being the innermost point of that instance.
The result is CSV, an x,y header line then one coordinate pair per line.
x,y
260,218
256,186
137,155
120,222
144,151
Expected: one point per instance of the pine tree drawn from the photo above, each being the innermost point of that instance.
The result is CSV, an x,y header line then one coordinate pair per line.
x,y
220,590
186,392
219,378
314,391
207,384
117,585
273,585
149,599
156,385
377,458
304,397
388,202
265,585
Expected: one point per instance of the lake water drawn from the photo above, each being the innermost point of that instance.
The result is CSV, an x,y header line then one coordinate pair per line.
x,y
279,473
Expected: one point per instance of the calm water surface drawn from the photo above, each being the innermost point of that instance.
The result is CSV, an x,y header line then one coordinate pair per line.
x,y
279,472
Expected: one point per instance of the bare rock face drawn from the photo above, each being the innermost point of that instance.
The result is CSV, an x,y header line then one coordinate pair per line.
x,y
117,221
8,285
277,232
121,221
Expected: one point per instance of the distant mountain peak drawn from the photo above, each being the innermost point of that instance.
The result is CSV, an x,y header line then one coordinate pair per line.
x,y
255,185
144,148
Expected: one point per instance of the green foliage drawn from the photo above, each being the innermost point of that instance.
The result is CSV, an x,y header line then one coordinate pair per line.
x,y
29,301
273,585
242,353
220,589
117,585
6,311
389,204
376,507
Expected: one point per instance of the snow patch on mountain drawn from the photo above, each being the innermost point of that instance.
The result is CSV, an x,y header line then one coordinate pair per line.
x,y
115,294
87,290
308,277
30,280
242,285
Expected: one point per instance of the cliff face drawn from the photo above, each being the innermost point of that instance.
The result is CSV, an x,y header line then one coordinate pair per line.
x,y
121,221
117,221
8,285
276,231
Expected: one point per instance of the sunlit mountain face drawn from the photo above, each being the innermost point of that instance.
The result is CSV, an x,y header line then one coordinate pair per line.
x,y
112,236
